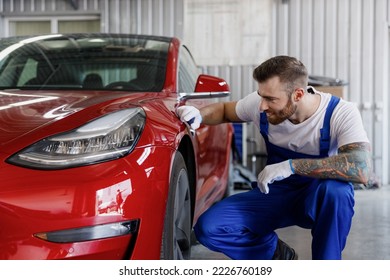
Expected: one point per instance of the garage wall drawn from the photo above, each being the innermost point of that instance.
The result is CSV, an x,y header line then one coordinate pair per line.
x,y
157,17
347,39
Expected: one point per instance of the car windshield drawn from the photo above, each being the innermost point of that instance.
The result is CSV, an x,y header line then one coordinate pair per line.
x,y
80,61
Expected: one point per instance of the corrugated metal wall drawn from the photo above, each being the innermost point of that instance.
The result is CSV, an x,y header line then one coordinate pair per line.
x,y
347,39
157,17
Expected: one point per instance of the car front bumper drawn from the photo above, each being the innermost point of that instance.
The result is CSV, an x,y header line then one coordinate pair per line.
x,y
50,214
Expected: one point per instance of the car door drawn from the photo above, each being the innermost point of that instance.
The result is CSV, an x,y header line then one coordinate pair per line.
x,y
211,141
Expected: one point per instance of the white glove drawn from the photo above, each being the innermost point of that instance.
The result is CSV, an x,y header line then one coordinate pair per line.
x,y
274,172
190,115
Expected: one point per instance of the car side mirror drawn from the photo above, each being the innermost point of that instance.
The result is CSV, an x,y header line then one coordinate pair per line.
x,y
207,86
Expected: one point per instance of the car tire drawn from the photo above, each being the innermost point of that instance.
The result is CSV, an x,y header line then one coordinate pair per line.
x,y
176,240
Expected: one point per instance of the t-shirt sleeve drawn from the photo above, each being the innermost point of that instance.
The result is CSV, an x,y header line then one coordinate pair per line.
x,y
247,108
348,125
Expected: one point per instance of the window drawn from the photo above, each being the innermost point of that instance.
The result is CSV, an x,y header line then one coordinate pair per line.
x,y
79,26
84,61
29,27
47,25
29,72
188,71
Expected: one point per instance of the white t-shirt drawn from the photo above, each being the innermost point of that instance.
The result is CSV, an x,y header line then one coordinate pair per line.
x,y
346,126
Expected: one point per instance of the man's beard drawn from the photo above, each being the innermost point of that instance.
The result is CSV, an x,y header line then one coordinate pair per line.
x,y
277,117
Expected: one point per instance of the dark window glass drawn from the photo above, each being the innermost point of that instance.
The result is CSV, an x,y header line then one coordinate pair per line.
x,y
188,71
84,62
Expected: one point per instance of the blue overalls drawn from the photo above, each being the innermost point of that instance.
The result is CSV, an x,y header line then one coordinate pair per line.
x,y
243,226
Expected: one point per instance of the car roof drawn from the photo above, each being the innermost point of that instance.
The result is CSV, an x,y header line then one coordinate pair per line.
x,y
79,37
87,35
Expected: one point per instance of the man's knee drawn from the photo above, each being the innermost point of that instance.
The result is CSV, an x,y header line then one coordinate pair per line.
x,y
336,191
198,229
205,226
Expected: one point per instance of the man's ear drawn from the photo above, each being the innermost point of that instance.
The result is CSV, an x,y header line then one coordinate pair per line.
x,y
298,94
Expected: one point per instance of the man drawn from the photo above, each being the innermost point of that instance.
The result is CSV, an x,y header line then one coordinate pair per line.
x,y
316,147
119,200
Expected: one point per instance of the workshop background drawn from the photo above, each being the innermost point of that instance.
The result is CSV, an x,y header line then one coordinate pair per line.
x,y
347,40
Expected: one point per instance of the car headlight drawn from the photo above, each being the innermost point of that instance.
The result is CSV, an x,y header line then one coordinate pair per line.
x,y
106,138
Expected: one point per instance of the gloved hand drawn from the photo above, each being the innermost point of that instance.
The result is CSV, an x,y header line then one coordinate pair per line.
x,y
190,115
274,172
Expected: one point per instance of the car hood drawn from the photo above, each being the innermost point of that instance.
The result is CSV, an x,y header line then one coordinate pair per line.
x,y
29,115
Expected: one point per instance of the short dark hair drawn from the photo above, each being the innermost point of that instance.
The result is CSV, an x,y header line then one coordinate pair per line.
x,y
290,71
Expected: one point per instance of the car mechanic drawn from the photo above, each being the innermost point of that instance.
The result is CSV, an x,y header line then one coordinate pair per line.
x,y
317,148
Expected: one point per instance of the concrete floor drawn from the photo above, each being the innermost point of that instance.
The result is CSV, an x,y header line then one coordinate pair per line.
x,y
369,238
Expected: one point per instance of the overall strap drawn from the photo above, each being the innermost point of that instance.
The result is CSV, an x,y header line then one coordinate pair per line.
x,y
325,130
264,126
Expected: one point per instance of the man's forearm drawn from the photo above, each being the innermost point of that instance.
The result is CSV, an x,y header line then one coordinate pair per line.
x,y
352,164
217,113
212,114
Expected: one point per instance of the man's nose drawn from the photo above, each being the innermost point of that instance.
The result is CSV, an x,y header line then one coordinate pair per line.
x,y
263,105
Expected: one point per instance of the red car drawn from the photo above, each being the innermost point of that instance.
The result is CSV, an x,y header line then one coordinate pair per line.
x,y
94,162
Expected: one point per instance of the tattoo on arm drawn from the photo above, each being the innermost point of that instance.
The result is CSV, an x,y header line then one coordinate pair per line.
x,y
353,163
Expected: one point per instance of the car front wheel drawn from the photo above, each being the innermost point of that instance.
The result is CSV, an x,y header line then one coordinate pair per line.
x,y
176,241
